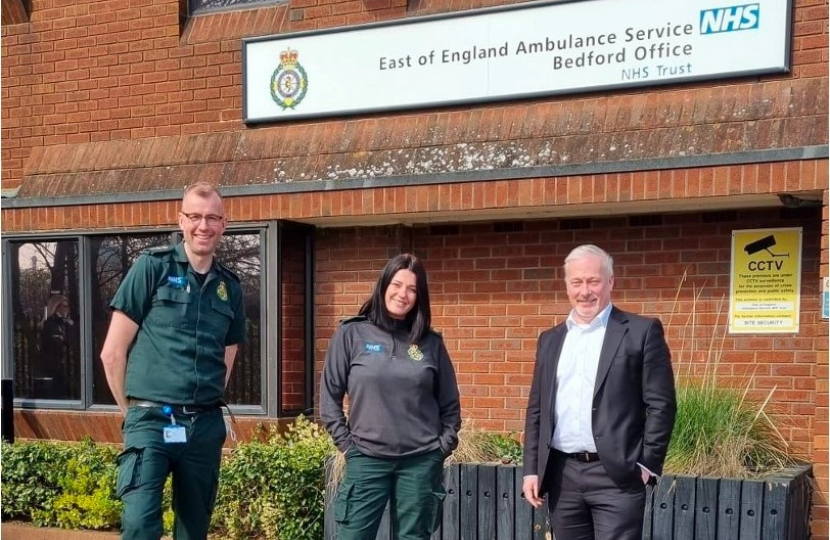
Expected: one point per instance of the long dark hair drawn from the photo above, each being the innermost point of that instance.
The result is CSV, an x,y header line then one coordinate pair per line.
x,y
419,318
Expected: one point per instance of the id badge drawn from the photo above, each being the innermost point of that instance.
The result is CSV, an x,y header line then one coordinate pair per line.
x,y
175,434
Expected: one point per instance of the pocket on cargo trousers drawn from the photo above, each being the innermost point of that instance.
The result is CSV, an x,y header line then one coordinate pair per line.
x,y
129,471
437,500
342,502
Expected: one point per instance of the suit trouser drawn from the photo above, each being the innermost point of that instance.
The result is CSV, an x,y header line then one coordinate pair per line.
x,y
147,461
585,504
412,485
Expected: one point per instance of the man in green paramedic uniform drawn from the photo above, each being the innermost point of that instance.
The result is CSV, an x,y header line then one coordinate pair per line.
x,y
178,320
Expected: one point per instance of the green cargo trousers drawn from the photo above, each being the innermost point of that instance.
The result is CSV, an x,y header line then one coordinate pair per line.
x,y
413,485
146,462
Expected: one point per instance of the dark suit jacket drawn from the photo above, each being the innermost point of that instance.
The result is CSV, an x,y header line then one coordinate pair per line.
x,y
634,399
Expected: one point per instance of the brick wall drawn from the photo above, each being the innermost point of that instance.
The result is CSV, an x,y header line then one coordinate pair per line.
x,y
293,345
91,72
496,286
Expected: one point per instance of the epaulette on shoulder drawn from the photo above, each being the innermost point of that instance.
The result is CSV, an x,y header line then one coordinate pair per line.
x,y
226,270
358,318
158,250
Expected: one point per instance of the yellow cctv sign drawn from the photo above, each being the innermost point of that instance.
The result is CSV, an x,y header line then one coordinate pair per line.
x,y
765,281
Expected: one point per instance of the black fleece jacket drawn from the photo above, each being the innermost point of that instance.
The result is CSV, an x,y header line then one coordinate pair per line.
x,y
403,397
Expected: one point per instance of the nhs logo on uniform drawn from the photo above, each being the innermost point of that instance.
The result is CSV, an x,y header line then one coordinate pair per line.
x,y
729,19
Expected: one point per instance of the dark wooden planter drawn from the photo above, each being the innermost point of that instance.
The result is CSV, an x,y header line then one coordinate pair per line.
x,y
695,508
485,502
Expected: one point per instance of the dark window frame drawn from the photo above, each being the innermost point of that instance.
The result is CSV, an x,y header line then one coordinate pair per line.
x,y
270,310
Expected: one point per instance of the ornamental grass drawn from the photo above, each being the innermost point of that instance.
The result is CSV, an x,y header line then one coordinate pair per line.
x,y
719,430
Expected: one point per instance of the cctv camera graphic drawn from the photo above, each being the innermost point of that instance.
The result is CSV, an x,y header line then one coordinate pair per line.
x,y
763,245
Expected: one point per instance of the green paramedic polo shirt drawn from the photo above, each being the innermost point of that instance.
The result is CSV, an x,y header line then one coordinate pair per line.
x,y
178,356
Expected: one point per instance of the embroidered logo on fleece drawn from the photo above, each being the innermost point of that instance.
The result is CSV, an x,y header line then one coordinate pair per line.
x,y
373,347
415,353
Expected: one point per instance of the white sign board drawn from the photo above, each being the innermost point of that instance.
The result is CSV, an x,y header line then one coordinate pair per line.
x,y
511,52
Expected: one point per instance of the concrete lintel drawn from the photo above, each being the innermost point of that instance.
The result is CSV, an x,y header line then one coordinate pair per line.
x,y
619,208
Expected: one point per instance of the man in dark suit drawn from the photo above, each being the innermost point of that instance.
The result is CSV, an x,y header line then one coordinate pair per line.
x,y
600,412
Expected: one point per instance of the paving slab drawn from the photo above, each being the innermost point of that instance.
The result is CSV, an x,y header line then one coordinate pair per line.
x,y
26,531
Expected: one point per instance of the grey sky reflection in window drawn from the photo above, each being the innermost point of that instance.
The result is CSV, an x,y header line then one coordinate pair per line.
x,y
207,5
45,315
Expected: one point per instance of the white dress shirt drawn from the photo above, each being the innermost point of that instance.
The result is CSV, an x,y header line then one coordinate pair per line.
x,y
576,377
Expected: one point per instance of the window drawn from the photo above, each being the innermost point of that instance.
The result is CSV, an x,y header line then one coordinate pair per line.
x,y
56,320
200,6
110,258
46,341
240,251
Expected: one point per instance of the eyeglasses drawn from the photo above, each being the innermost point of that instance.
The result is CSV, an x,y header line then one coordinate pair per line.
x,y
212,219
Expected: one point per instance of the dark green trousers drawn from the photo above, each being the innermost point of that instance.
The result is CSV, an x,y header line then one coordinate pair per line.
x,y
412,485
147,461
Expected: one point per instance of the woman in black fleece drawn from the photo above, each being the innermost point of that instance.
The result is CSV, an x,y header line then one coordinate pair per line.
x,y
404,411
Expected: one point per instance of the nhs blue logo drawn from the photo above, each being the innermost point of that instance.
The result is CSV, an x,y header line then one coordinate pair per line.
x,y
729,19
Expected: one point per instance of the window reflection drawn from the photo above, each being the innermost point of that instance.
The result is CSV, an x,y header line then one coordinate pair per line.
x,y
46,339
210,5
112,257
240,251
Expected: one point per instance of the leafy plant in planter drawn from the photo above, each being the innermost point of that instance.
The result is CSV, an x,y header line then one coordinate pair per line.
x,y
478,446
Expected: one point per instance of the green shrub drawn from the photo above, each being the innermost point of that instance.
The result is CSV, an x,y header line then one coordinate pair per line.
x,y
275,489
271,490
31,480
64,484
87,499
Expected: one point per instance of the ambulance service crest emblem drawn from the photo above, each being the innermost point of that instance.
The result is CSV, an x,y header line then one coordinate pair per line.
x,y
415,353
222,291
289,83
